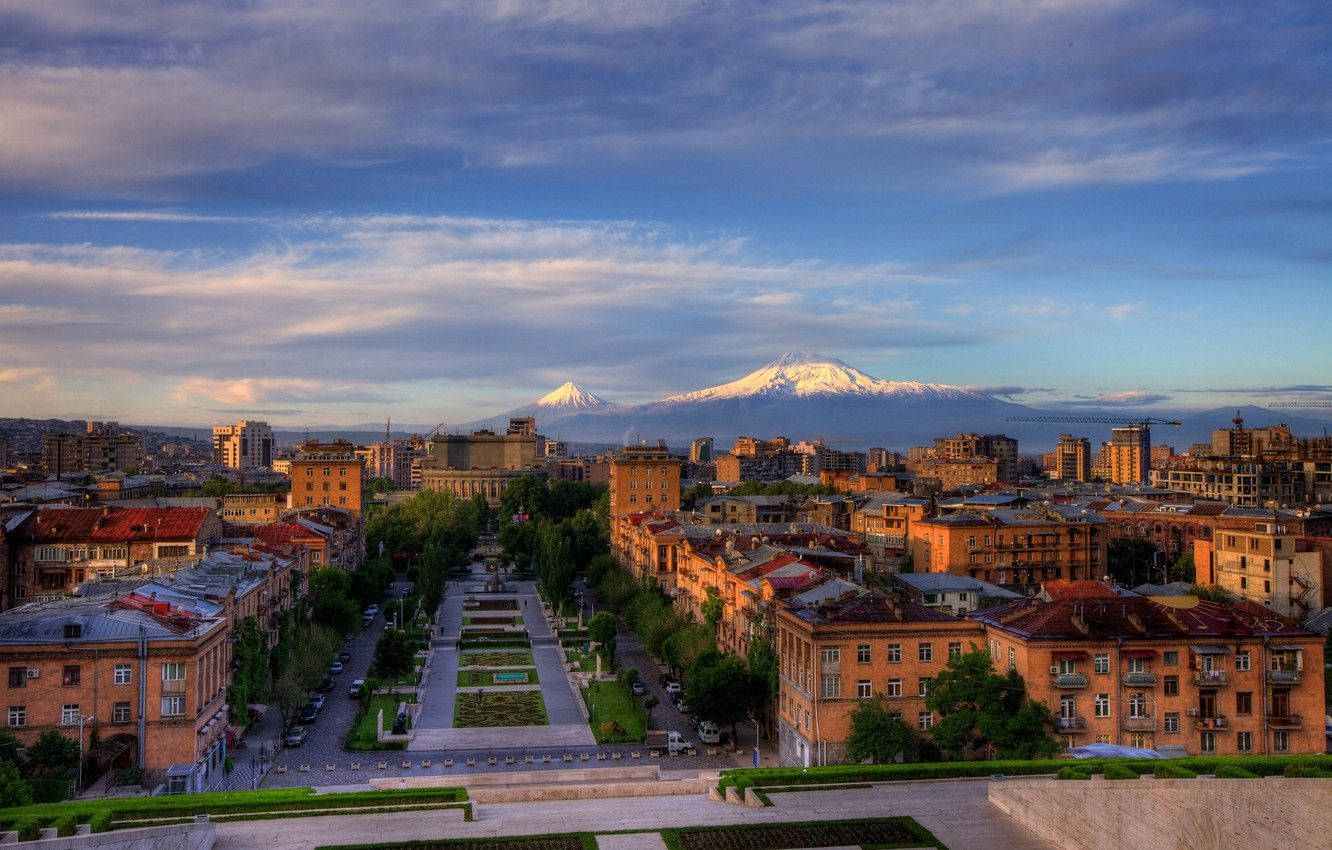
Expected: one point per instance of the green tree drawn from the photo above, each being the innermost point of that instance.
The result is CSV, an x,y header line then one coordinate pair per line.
x,y
287,694
1183,568
381,484
601,629
683,647
394,655
718,689
712,607
1130,560
53,755
880,735
249,681
982,710
1214,594
598,567
14,789
331,602
694,494
11,749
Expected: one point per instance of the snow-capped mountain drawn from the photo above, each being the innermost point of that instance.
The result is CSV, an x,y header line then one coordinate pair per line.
x,y
801,374
570,396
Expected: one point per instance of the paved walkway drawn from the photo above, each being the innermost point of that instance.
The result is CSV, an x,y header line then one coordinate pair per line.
x,y
631,841
957,812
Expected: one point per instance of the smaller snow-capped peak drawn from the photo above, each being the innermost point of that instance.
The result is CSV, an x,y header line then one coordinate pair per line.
x,y
799,373
570,395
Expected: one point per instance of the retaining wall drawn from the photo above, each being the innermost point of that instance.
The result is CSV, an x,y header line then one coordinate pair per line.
x,y
198,835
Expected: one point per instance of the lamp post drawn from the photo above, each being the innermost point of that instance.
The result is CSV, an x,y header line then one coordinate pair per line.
x,y
78,785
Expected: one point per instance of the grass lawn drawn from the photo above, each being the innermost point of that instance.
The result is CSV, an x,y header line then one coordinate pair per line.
x,y
615,716
492,605
362,734
486,678
585,662
496,659
491,620
869,832
499,708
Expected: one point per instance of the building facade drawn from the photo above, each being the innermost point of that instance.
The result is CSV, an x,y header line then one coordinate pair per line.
x,y
1129,454
246,445
644,478
999,448
700,450
252,508
1073,458
1265,563
103,447
1024,547
326,475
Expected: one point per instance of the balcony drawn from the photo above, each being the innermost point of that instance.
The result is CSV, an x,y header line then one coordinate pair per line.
x,y
1075,723
1215,721
1140,679
1139,724
1283,677
173,687
1288,721
1070,680
1210,678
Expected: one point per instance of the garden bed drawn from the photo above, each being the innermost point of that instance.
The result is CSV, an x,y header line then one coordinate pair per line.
x,y
492,621
869,832
487,678
499,708
613,714
566,841
585,662
515,640
492,605
496,659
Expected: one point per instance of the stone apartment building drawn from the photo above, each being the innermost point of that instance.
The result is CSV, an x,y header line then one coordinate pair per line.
x,y
326,475
954,473
246,445
253,508
103,447
1025,546
1001,449
1177,674
884,523
52,550
1266,563
644,478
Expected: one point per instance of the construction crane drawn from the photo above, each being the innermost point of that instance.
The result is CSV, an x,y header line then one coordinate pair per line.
x,y
1145,421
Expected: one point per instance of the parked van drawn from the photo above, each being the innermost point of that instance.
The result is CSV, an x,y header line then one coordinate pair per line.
x,y
355,690
708,732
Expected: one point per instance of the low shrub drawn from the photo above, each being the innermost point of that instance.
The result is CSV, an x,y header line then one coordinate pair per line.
x,y
1119,771
66,825
1234,771
1166,770
1073,773
28,830
129,776
100,822
1305,770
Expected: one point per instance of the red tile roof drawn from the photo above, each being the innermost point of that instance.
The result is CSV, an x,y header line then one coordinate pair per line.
x,y
111,525
1079,589
284,533
1131,617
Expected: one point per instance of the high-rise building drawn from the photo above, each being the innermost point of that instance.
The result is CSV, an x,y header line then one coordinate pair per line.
x,y
246,445
102,448
1073,460
1130,454
1002,449
644,478
700,450
326,475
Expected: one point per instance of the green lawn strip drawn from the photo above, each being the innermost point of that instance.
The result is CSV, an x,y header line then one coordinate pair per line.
x,y
362,735
866,832
585,662
614,715
499,708
842,774
225,802
492,620
553,841
486,678
301,813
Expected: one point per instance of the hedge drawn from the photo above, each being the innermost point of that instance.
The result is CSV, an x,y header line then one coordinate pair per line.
x,y
841,774
1071,772
1234,771
585,840
66,825
1174,771
1119,771
1303,770
28,830
100,822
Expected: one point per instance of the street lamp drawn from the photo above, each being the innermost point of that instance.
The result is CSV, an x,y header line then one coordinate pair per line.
x,y
78,785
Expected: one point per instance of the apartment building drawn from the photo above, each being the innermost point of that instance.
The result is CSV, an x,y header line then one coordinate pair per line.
x,y
1177,674
955,473
253,508
700,450
884,523
103,447
248,444
839,646
1175,526
1266,563
644,478
51,550
1128,455
1073,458
722,510
326,475
1237,481
999,448
1025,546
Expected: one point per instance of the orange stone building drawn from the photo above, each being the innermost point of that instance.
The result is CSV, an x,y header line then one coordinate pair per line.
x,y
644,478
327,475
1012,546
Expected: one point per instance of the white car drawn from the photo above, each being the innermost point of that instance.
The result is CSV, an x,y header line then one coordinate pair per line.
x,y
708,732
672,689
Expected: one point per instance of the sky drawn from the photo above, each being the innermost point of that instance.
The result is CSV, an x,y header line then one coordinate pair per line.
x,y
321,212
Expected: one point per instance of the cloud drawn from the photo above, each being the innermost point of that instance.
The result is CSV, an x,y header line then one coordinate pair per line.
x,y
153,216
1120,312
1121,398
1007,390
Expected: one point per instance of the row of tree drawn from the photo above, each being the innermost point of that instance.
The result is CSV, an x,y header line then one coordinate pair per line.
x,y
554,530
40,773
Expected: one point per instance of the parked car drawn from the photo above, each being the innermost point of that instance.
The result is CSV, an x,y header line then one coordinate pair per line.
x,y
326,685
684,709
295,737
637,688
672,689
708,732
308,714
345,656
355,690
316,700
335,668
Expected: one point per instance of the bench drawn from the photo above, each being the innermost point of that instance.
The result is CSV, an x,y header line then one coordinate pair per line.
x,y
691,752
712,751
601,756
425,763
305,768
567,757
583,757
406,764
282,768
634,755
508,759
471,762
356,765
492,760
330,767
527,759
448,762
615,756
383,765
545,759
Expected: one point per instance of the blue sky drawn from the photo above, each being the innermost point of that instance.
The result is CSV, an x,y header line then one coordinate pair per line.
x,y
330,212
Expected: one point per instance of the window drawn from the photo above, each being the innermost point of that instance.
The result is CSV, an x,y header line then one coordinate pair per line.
x,y
342,485
327,487
120,712
70,677
923,686
832,687
173,671
894,688
1102,705
1169,659
69,714
1138,665
1242,661
954,649
1067,667
1244,742
123,676
926,721
1172,721
863,653
326,471
832,655
632,498
48,553
1012,658
925,652
18,677
169,551
1281,742
309,486
1137,705
173,706
1101,662
863,689
1170,686
1207,742
18,715
894,653
1244,702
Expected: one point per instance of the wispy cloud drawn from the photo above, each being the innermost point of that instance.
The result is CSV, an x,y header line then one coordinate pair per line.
x,y
1120,398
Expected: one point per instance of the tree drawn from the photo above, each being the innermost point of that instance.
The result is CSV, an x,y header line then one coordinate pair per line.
x,y
1183,568
712,608
879,735
381,484
14,789
718,689
1130,560
981,709
53,755
250,679
394,655
288,694
331,602
683,647
694,494
601,629
11,749
649,703
598,567
763,673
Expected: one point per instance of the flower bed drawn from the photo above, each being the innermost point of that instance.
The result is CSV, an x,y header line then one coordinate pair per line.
x,y
493,605
876,832
496,659
492,621
499,708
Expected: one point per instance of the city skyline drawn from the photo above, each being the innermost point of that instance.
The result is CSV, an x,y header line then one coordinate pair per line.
x,y
318,216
